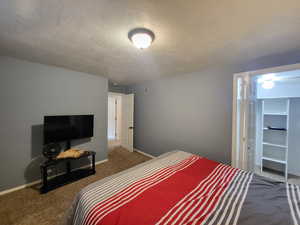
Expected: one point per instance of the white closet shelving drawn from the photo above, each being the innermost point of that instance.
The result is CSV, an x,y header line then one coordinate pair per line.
x,y
275,127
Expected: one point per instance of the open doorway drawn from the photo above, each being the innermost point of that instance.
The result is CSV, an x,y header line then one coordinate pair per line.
x,y
266,125
277,149
120,120
114,120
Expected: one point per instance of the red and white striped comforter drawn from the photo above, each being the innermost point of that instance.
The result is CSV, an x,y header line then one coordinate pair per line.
x,y
181,188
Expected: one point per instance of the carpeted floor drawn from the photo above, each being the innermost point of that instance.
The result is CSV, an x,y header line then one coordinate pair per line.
x,y
28,207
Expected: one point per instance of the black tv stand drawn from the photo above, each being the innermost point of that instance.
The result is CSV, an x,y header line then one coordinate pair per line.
x,y
68,146
69,176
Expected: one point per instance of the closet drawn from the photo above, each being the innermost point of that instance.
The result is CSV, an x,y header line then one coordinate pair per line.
x,y
278,128
274,132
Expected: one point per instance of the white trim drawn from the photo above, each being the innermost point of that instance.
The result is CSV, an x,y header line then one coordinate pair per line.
x,y
144,153
19,187
114,94
39,181
101,161
234,118
239,158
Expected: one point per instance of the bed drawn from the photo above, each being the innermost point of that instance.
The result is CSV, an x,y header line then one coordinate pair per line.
x,y
182,188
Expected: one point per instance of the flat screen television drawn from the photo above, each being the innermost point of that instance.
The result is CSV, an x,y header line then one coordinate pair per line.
x,y
67,128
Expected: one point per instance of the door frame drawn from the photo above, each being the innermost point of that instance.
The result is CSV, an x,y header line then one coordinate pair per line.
x,y
239,157
122,122
117,141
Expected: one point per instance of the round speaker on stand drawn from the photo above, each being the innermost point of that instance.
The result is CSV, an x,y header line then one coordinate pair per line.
x,y
51,150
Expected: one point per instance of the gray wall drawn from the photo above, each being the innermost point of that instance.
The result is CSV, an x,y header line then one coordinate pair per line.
x,y
192,112
28,91
294,134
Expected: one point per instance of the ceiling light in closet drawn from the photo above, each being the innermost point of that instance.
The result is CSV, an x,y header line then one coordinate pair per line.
x,y
268,84
267,80
141,37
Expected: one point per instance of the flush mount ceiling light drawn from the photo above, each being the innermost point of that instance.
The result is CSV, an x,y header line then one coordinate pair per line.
x,y
267,80
268,84
141,37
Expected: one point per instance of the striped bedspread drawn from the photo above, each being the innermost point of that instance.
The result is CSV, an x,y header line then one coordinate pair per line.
x,y
182,188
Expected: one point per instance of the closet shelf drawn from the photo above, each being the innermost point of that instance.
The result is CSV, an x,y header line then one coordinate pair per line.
x,y
266,128
275,114
275,160
274,127
274,145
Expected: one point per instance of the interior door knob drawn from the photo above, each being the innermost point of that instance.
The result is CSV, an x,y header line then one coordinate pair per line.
x,y
131,128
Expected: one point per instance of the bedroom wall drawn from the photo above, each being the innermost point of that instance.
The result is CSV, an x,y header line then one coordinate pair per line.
x,y
28,91
192,112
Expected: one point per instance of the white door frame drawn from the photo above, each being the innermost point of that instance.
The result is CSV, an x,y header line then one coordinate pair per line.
x,y
125,120
239,157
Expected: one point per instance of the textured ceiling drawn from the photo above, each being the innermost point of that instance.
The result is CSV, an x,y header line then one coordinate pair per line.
x,y
91,35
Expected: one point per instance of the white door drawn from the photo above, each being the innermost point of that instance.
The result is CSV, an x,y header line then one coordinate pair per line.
x,y
244,122
252,124
127,121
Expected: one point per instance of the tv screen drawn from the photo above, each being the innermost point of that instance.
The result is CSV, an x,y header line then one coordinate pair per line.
x,y
65,128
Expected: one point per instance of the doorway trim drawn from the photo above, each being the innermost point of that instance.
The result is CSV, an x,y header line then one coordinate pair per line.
x,y
125,122
239,157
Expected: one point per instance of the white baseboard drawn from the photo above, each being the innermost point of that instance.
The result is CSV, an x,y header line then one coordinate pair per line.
x,y
39,181
19,187
144,153
101,161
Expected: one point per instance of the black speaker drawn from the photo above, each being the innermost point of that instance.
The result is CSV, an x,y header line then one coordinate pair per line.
x,y
51,150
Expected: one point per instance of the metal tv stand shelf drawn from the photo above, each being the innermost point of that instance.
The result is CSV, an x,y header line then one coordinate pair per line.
x,y
69,176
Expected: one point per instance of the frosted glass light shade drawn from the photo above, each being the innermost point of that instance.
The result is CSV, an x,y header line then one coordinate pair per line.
x,y
267,81
141,40
141,37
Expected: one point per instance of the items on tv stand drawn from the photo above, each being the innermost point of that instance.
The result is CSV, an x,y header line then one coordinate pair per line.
x,y
67,177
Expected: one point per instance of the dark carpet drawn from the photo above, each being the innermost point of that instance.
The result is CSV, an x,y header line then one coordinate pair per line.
x,y
29,207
